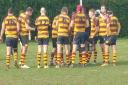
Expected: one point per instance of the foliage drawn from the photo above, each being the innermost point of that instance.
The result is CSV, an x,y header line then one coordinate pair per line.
x,y
53,7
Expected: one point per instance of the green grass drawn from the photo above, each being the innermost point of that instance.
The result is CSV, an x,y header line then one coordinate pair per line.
x,y
90,75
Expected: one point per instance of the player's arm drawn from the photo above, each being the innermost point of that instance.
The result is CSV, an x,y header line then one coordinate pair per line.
x,y
36,23
28,27
108,26
119,27
97,26
71,25
18,26
2,31
87,23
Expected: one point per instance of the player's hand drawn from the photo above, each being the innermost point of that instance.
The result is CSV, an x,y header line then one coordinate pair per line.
x,y
91,36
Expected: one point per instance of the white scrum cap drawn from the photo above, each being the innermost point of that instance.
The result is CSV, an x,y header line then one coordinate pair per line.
x,y
42,9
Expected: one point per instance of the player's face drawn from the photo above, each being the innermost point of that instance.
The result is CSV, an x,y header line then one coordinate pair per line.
x,y
29,13
103,9
91,14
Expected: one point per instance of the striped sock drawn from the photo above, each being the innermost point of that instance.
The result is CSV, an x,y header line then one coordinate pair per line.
x,y
8,60
55,58
89,56
80,58
62,58
52,57
45,59
15,56
73,57
22,60
103,57
84,58
67,59
59,55
106,58
95,56
38,58
114,58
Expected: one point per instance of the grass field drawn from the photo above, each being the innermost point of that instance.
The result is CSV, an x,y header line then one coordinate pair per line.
x,y
90,75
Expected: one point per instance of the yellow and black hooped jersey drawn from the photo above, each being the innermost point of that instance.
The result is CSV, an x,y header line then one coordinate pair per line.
x,y
42,24
103,22
63,25
114,25
54,27
22,20
79,22
10,22
94,22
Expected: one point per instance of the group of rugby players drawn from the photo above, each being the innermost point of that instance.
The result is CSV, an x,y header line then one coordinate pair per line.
x,y
80,32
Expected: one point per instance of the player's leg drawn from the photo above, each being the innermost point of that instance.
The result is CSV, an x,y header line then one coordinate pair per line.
x,y
24,41
84,38
95,53
74,49
80,54
114,55
8,55
45,52
106,52
15,50
59,51
95,49
54,52
8,51
67,50
89,50
102,46
39,50
114,52
84,54
73,56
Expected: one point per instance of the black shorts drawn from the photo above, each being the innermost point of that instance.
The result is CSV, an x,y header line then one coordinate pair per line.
x,y
80,38
101,39
12,42
43,41
54,42
24,40
62,40
111,40
93,40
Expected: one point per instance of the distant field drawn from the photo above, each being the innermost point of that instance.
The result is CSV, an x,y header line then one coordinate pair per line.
x,y
90,75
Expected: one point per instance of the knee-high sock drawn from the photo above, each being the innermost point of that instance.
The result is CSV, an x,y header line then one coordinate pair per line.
x,y
73,57
15,56
80,58
95,55
38,56
22,60
84,58
7,60
55,58
103,54
45,59
52,57
106,57
59,55
89,56
62,58
68,59
114,58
